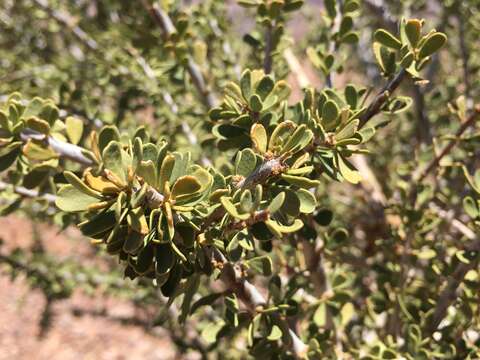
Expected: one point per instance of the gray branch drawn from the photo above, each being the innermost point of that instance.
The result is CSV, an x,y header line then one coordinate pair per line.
x,y
68,21
470,121
250,296
382,97
63,149
20,190
267,61
262,173
167,27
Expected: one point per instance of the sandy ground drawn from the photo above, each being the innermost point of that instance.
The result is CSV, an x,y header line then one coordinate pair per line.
x,y
70,335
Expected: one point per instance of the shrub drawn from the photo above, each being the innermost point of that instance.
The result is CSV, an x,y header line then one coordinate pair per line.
x,y
247,211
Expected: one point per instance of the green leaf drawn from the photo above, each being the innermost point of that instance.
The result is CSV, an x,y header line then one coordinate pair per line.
x,y
300,138
113,159
246,202
470,207
413,28
39,125
107,134
191,288
246,84
276,203
171,285
255,103
49,112
144,260
7,149
80,185
347,171
7,160
210,332
348,130
339,235
324,217
35,151
261,265
320,315
377,52
74,129
407,60
258,134
165,171
293,5
281,132
331,7
308,203
366,133
137,221
245,163
182,163
165,258
265,86
204,301
426,254
299,181
99,224
330,113
351,96
261,231
432,44
291,205
185,186
474,181
350,38
234,250
147,171
71,199
35,178
4,123
346,25
275,333
279,228
231,209
133,242
351,6
387,39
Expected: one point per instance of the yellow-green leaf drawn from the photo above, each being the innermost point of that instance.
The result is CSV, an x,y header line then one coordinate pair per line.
x,y
71,199
74,129
258,134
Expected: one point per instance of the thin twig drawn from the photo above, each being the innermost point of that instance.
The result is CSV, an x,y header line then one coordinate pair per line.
x,y
446,150
67,20
267,60
63,149
381,98
449,216
20,190
165,23
249,295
